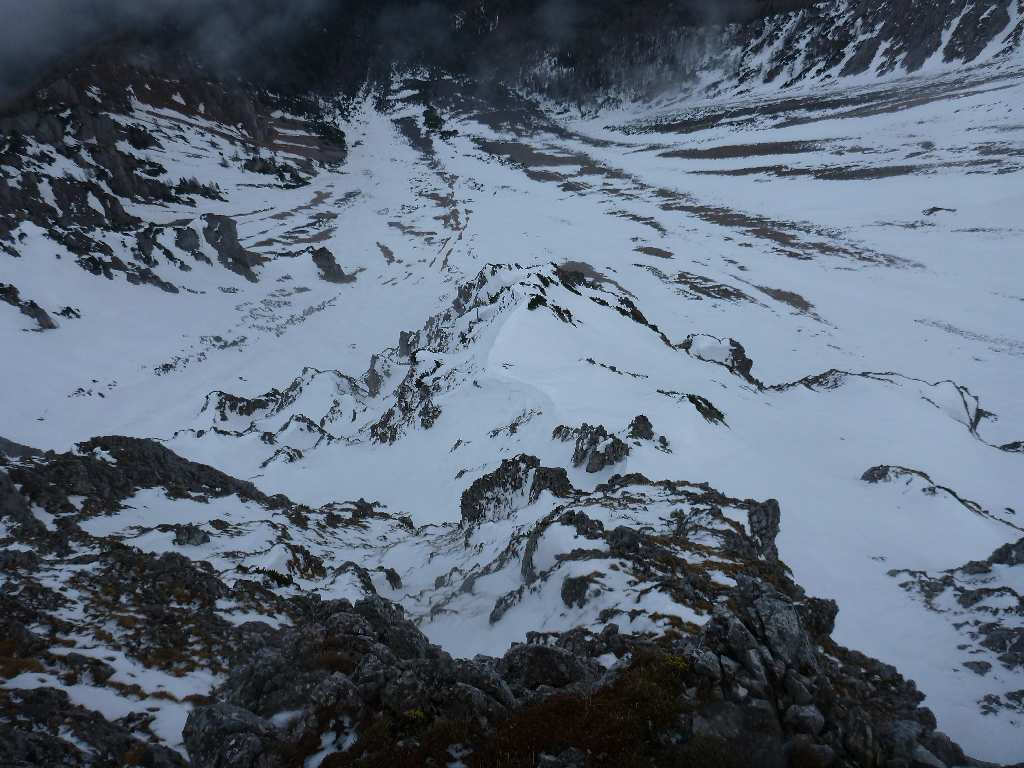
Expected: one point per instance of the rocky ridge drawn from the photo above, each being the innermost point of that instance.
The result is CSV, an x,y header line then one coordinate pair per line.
x,y
357,683
491,327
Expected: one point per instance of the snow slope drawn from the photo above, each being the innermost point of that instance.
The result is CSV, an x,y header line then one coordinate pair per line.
x,y
814,297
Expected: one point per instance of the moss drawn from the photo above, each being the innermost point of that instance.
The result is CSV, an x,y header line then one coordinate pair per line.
x,y
12,667
676,664
137,755
619,726
416,715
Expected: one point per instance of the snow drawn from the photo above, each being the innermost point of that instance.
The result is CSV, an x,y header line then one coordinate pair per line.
x,y
819,255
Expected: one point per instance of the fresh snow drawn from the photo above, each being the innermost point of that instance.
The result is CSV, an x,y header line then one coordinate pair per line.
x,y
871,229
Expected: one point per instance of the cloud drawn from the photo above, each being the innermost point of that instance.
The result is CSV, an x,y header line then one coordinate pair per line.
x,y
307,42
37,34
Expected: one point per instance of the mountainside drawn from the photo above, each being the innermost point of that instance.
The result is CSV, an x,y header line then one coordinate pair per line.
x,y
609,385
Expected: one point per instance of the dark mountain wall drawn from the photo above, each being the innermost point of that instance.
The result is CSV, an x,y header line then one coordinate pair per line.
x,y
316,43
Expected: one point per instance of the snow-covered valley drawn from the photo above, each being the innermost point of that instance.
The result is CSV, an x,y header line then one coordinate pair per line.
x,y
470,350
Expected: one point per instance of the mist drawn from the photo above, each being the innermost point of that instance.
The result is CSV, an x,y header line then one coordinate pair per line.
x,y
306,43
39,34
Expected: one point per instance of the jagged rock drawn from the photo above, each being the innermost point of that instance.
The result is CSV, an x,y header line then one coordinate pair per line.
x,y
574,591
496,493
221,232
754,680
10,294
640,428
190,535
805,719
133,464
764,520
40,726
726,352
982,593
528,667
328,266
225,736
594,448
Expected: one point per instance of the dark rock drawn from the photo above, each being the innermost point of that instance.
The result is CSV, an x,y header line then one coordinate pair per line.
x,y
225,736
805,719
99,671
329,269
1009,554
14,508
10,294
221,232
186,239
21,643
879,474
764,527
595,448
641,428
528,667
751,730
190,535
574,590
41,727
570,758
624,539
495,494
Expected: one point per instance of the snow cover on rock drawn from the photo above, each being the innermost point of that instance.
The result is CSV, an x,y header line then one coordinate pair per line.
x,y
498,364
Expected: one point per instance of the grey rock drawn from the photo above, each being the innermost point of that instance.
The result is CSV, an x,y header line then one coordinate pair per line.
x,y
221,232
805,719
328,266
574,590
225,736
765,519
494,494
595,448
190,535
641,428
923,758
528,667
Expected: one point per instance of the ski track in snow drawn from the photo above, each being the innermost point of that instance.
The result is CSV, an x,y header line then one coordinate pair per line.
x,y
880,237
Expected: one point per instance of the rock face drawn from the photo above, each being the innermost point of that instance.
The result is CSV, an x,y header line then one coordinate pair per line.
x,y
594,448
328,266
521,479
778,42
221,232
581,596
754,688
42,727
10,294
760,683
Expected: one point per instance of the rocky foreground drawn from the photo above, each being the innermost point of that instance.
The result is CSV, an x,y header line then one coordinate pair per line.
x,y
495,404
304,681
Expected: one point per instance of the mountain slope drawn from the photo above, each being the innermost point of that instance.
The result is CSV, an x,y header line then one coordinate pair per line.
x,y
527,372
